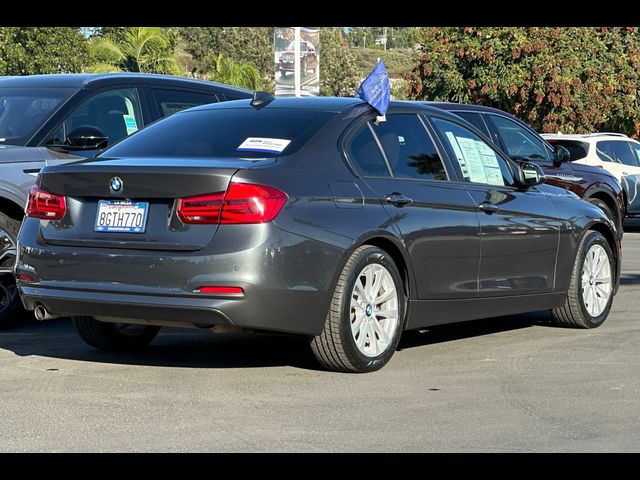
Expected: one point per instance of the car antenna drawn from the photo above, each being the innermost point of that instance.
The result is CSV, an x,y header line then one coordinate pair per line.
x,y
260,99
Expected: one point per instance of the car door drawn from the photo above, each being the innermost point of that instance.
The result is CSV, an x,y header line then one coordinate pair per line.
x,y
437,219
518,230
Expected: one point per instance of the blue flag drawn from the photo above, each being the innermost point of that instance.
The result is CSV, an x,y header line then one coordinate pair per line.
x,y
375,88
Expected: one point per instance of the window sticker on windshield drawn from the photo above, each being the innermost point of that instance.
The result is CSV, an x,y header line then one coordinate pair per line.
x,y
259,144
130,123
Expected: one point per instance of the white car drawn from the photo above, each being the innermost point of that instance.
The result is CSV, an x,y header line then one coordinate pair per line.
x,y
614,152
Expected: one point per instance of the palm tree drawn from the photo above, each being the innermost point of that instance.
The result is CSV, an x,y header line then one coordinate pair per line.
x,y
142,49
231,72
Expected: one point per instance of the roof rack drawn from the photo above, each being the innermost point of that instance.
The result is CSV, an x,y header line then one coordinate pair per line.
x,y
602,134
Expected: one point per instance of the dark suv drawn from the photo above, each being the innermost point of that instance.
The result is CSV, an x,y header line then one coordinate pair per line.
x,y
52,119
522,143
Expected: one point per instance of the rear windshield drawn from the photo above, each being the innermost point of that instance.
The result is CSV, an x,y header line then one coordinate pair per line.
x,y
576,148
245,133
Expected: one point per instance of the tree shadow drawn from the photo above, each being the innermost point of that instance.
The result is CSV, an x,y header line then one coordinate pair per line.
x,y
191,348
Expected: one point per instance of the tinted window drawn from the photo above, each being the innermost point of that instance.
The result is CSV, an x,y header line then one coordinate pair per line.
x,y
636,150
115,112
365,154
625,155
476,120
616,151
409,148
478,161
518,141
577,150
173,101
24,110
221,132
605,151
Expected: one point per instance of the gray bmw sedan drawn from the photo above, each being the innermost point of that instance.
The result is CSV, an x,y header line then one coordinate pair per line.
x,y
313,217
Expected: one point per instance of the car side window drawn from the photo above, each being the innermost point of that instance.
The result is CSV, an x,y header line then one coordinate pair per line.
x,y
409,148
636,150
478,161
171,101
625,155
476,120
364,152
115,112
605,151
518,141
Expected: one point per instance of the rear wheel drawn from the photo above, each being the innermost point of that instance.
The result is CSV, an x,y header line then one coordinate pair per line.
x,y
591,288
10,304
114,336
365,320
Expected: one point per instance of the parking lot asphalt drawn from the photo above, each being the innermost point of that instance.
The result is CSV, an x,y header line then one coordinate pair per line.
x,y
505,384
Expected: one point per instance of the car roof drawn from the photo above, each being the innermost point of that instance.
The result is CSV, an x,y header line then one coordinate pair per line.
x,y
326,104
451,106
587,137
80,80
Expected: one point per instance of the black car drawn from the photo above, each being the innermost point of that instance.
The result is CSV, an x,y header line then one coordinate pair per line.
x,y
522,143
54,119
308,216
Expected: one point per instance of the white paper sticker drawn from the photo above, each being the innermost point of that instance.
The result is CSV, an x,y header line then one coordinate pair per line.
x,y
456,149
473,160
259,144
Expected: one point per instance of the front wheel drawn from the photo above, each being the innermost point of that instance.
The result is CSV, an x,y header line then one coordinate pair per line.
x,y
605,209
590,292
364,323
114,336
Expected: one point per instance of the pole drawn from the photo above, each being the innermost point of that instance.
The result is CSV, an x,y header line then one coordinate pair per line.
x,y
296,61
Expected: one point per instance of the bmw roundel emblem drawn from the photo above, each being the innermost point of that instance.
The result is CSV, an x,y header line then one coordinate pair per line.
x,y
116,184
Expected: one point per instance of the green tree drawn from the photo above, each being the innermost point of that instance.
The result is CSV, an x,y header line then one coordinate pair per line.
x,y
134,49
38,50
569,79
241,44
239,74
339,75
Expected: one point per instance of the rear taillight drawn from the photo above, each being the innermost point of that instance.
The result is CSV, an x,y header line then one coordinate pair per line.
x,y
241,203
203,209
45,205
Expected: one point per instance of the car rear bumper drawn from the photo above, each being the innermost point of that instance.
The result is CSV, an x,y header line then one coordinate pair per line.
x,y
287,280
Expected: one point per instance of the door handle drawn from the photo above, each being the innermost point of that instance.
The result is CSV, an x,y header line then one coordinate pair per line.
x,y
488,208
398,199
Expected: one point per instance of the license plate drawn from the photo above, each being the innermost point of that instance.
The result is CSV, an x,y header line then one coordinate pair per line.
x,y
121,216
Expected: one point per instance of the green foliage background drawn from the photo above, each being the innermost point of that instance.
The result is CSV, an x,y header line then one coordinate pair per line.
x,y
574,79
569,79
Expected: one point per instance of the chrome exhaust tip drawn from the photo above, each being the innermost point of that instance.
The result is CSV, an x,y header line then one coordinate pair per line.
x,y
41,314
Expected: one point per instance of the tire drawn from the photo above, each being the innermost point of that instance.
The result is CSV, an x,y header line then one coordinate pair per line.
x,y
10,304
114,336
605,208
575,312
336,347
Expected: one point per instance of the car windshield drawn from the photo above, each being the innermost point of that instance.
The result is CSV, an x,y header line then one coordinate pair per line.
x,y
229,132
24,110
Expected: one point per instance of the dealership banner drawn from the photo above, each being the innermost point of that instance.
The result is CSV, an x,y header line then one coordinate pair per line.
x,y
297,61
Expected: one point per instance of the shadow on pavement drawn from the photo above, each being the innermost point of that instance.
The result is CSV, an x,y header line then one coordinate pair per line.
x,y
630,279
190,348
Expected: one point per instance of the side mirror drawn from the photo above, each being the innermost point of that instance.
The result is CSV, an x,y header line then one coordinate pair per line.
x,y
530,174
560,154
86,137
